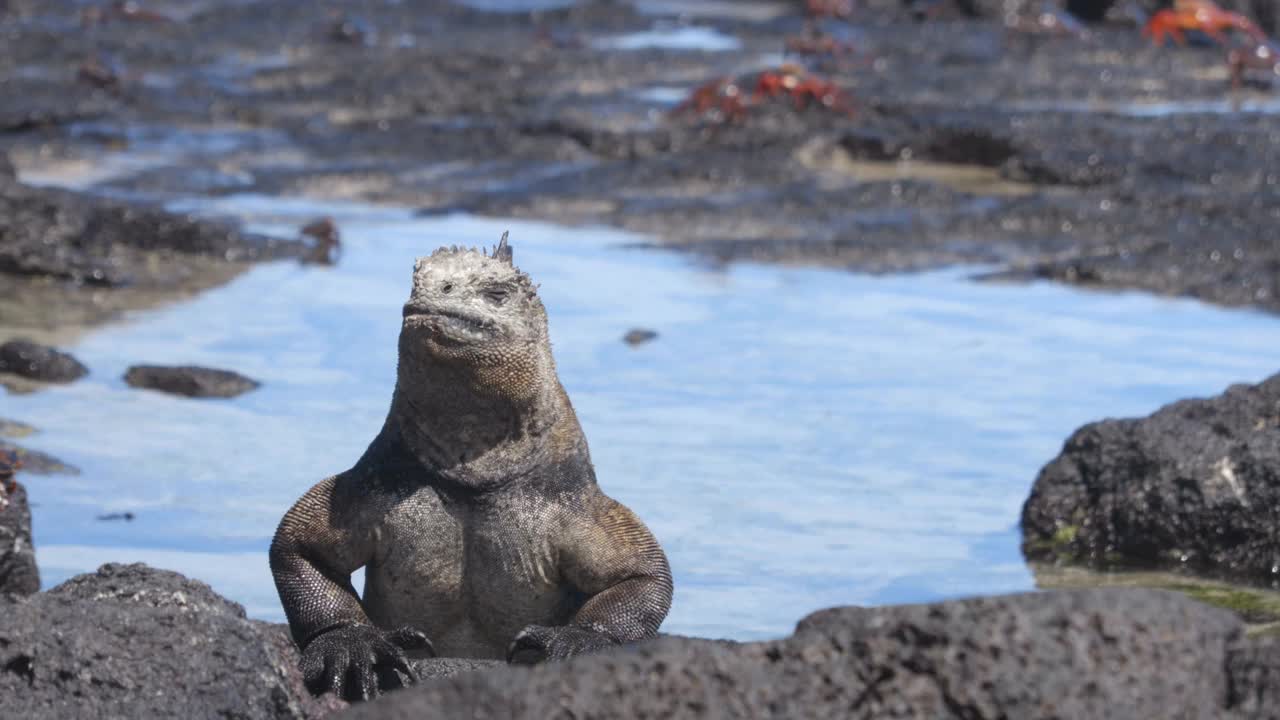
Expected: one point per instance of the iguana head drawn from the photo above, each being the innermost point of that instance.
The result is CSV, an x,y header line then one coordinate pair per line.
x,y
477,395
472,307
474,312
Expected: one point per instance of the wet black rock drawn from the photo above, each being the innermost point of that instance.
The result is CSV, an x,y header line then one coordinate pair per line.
x,y
1195,486
190,380
1095,653
18,571
1254,671
6,167
72,236
132,641
40,362
1089,10
29,104
350,30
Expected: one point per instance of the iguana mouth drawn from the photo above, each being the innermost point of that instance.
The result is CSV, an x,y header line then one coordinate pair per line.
x,y
451,324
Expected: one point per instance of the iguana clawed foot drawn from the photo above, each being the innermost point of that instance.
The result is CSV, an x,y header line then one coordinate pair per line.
x,y
539,643
359,661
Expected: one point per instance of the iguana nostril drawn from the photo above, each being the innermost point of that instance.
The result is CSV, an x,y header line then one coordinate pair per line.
x,y
446,287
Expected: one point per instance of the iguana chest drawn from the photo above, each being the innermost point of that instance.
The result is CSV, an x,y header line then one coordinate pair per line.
x,y
470,577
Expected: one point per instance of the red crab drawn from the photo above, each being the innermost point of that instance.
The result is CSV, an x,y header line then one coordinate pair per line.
x,y
726,97
722,96
1200,15
803,87
829,8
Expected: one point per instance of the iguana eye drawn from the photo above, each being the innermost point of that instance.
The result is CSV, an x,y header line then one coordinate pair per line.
x,y
497,296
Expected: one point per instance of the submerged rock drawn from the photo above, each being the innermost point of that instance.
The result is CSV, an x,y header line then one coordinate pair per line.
x,y
13,428
1094,653
190,380
36,462
1195,486
639,336
132,641
40,362
326,241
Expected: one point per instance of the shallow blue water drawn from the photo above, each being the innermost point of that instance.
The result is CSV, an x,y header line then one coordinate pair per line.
x,y
687,37
1238,104
796,438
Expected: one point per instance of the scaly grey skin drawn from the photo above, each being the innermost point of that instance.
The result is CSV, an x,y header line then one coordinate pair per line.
x,y
475,511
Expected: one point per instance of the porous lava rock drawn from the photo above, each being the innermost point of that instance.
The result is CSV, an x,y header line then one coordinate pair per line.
x,y
1091,653
19,574
132,641
1196,486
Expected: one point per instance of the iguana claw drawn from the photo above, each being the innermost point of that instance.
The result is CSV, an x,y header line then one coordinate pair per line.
x,y
539,643
359,661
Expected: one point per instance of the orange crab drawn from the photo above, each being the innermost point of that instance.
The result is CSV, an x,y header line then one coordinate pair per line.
x,y
1203,16
803,87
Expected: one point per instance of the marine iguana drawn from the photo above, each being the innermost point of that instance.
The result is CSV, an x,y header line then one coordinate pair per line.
x,y
475,511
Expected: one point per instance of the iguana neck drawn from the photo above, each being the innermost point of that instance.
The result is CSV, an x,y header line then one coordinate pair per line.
x,y
475,436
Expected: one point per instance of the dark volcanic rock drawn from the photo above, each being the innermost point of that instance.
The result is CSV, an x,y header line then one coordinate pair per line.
x,y
434,668
1071,654
40,362
72,236
18,571
190,380
131,641
1196,485
143,585
1254,672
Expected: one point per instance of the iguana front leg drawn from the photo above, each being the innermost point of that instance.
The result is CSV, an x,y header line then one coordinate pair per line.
x,y
610,556
319,543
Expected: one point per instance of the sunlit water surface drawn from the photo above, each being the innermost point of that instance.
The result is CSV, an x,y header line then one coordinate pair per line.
x,y
795,438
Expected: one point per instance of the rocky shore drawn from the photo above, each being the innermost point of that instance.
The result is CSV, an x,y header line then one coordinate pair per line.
x,y
138,642
1093,158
